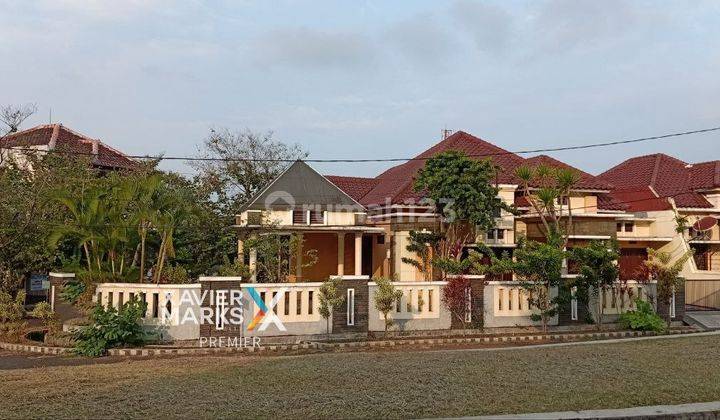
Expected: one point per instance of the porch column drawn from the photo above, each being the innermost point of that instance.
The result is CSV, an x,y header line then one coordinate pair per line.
x,y
298,257
358,253
252,264
341,254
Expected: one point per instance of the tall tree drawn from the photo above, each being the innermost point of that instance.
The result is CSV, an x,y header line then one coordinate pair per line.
x,y
462,189
243,163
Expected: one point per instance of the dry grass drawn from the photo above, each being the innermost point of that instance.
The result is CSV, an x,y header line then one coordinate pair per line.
x,y
413,384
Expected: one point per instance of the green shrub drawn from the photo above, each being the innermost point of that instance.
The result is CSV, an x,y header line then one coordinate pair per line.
x,y
234,269
13,331
110,328
12,309
643,318
175,275
71,291
43,311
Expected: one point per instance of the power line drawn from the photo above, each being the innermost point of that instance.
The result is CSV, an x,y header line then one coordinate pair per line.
x,y
543,150
160,226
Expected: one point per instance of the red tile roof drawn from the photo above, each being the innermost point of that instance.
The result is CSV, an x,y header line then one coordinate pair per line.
x,y
587,181
60,138
355,187
395,185
667,176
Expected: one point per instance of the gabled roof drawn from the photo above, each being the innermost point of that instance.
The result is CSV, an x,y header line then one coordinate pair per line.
x,y
395,185
301,185
666,177
60,138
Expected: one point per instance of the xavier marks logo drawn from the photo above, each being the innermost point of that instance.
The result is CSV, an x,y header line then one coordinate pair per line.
x,y
227,307
265,314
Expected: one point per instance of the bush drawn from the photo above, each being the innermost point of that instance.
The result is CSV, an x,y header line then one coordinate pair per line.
x,y
44,313
12,309
234,269
13,331
175,275
110,328
643,318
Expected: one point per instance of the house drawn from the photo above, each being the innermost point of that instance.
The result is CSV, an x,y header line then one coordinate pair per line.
x,y
60,139
678,205
361,226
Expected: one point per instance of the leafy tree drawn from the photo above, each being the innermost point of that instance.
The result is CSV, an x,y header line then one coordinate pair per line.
x,y
461,188
666,273
386,297
455,297
244,163
598,272
330,298
29,211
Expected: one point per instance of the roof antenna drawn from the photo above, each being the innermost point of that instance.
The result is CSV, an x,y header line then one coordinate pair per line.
x,y
446,133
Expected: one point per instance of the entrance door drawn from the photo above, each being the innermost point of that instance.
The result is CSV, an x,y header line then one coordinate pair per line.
x,y
367,254
632,263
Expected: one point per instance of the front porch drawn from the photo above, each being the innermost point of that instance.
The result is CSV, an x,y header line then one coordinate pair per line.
x,y
321,252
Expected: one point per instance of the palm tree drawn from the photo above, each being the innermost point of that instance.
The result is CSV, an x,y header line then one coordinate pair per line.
x,y
87,218
145,212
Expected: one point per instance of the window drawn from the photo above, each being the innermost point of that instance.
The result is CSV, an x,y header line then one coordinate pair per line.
x,y
561,201
299,217
619,227
491,234
351,307
381,239
629,227
500,234
317,217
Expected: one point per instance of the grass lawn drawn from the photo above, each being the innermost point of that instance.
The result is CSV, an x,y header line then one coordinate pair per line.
x,y
377,384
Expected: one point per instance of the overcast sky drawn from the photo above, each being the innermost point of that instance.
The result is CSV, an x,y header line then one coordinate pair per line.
x,y
367,79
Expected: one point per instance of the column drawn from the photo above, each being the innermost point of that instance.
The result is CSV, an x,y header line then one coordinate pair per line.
x,y
240,251
253,265
358,253
298,257
341,254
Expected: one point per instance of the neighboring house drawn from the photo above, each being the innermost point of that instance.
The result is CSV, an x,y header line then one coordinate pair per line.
x,y
386,208
658,190
60,139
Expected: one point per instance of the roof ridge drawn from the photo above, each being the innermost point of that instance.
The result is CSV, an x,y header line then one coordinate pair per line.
x,y
37,127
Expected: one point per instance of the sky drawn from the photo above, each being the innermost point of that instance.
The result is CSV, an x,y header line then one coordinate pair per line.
x,y
371,79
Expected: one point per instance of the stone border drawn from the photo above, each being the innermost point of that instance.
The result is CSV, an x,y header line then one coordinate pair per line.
x,y
32,348
316,346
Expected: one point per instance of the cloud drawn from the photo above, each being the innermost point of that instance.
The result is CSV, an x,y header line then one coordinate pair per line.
x,y
313,48
421,39
489,26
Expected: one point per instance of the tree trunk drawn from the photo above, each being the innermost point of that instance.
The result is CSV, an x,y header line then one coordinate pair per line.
x,y
87,256
143,235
